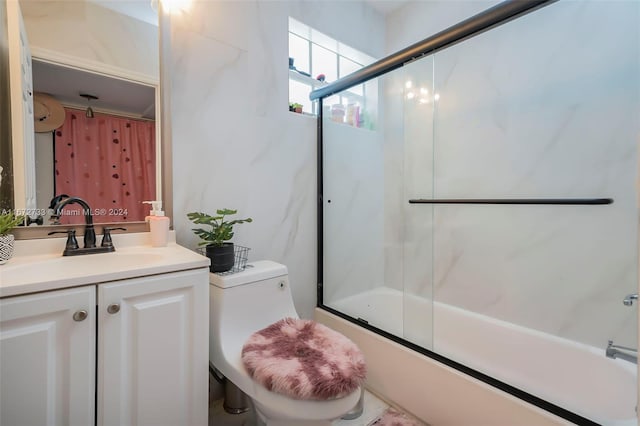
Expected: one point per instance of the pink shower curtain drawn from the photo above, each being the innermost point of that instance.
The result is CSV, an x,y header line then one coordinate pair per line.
x,y
109,162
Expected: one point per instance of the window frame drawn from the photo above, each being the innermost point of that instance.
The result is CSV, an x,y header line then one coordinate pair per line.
x,y
311,82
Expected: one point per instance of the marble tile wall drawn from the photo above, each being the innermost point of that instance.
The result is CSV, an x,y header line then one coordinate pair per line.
x,y
417,19
235,144
86,31
545,106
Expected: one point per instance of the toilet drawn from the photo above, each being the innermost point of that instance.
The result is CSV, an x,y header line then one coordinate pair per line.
x,y
241,304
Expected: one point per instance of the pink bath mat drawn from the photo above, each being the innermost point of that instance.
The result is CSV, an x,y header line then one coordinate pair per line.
x,y
393,417
304,360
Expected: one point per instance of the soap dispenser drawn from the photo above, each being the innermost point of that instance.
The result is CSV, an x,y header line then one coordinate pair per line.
x,y
158,224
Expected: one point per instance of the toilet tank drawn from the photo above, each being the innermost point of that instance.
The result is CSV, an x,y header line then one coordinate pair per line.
x,y
245,302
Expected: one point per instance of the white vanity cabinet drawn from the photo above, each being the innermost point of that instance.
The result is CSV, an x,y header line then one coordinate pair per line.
x,y
47,358
153,350
151,360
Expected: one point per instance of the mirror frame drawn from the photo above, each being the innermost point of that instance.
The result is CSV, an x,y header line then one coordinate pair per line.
x,y
165,165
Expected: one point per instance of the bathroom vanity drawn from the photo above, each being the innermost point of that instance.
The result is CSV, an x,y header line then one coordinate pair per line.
x,y
107,339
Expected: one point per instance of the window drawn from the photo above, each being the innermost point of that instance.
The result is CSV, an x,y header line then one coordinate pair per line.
x,y
311,54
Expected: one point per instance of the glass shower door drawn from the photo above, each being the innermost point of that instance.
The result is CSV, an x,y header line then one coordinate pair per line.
x,y
543,107
418,100
360,277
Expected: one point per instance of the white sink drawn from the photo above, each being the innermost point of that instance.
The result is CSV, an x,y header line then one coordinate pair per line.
x,y
33,269
47,271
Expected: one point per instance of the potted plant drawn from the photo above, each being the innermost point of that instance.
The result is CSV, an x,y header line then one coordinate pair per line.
x,y
8,221
218,249
295,107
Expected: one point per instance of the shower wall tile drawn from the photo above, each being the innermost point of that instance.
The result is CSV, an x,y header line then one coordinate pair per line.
x,y
548,268
559,121
418,19
235,144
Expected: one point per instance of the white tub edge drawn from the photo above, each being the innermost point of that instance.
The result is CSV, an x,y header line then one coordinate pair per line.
x,y
431,391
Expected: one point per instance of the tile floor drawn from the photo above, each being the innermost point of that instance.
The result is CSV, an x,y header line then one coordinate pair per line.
x,y
373,409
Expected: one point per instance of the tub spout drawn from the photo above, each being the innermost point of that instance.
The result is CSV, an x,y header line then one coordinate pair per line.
x,y
629,298
622,352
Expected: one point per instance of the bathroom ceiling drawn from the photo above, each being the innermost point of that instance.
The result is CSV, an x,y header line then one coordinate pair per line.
x,y
386,6
115,95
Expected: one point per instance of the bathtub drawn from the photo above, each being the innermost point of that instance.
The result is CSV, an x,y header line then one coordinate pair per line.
x,y
572,375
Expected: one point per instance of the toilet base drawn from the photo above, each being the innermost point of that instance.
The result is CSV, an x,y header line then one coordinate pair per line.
x,y
235,401
356,411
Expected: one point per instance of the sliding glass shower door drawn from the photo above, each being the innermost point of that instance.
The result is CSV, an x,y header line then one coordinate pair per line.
x,y
490,215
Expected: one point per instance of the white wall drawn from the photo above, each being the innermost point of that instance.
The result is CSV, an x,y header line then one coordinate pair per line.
x,y
81,30
545,106
235,145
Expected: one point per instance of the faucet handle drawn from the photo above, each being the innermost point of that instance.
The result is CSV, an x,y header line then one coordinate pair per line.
x,y
72,243
28,220
39,220
106,236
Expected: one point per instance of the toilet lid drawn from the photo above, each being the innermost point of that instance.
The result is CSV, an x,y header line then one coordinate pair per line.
x,y
303,359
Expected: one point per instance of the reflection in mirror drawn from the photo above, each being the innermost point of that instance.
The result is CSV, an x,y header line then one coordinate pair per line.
x,y
98,60
103,151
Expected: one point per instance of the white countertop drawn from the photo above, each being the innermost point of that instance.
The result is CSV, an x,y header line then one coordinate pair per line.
x,y
38,265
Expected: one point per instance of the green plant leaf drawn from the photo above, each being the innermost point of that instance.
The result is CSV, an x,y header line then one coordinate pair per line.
x,y
8,221
221,230
226,212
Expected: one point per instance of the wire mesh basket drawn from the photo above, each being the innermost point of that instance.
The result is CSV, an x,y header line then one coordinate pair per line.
x,y
240,254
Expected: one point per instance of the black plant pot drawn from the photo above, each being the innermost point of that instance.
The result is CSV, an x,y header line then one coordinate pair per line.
x,y
222,258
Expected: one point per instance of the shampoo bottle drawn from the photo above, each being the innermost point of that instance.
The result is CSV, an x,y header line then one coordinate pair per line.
x,y
158,224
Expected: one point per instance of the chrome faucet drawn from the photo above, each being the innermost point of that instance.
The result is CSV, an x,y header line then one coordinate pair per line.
x,y
629,298
615,351
89,231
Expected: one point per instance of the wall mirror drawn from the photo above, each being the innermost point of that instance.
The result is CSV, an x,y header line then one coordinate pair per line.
x,y
100,61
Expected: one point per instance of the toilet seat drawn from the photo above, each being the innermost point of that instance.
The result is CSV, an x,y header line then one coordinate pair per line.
x,y
304,360
274,405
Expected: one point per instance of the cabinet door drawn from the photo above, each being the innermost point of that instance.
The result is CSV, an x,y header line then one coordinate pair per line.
x,y
153,350
47,358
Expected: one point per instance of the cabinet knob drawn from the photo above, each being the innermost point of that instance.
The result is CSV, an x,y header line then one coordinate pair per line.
x,y
80,315
113,308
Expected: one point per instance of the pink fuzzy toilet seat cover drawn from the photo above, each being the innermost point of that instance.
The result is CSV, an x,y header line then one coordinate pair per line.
x,y
304,360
